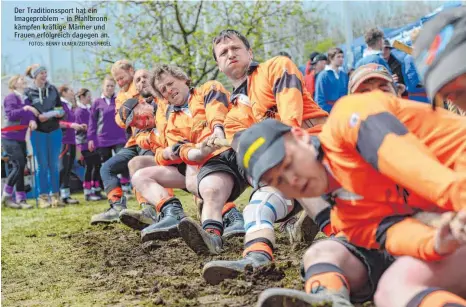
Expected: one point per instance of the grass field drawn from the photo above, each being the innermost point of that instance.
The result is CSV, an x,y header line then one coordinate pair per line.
x,y
53,257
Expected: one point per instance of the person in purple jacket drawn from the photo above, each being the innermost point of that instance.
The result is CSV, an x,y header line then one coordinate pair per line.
x,y
13,142
91,159
104,135
68,148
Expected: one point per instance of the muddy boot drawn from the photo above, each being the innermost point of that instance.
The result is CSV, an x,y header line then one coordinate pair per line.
x,y
7,201
24,205
166,227
217,271
98,193
66,197
300,228
233,222
56,201
112,214
139,219
199,240
278,297
44,201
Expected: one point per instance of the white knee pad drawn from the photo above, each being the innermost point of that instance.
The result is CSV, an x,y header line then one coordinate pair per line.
x,y
266,206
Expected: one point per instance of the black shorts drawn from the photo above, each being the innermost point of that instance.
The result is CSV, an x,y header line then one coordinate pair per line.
x,y
225,162
376,263
181,168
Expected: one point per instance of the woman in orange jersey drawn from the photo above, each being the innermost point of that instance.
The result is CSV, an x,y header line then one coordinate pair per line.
x,y
374,191
191,116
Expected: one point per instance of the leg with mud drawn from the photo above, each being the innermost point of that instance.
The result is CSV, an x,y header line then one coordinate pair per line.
x,y
152,183
215,189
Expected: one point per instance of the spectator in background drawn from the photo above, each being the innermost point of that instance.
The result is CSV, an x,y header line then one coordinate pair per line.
x,y
332,83
374,39
284,53
14,143
309,66
68,148
397,67
416,90
104,135
91,159
318,65
46,139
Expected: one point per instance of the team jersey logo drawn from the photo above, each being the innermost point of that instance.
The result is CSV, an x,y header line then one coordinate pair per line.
x,y
354,119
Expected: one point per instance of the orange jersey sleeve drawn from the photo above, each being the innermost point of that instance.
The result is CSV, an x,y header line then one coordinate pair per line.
x,y
239,118
216,102
369,125
287,82
410,237
121,98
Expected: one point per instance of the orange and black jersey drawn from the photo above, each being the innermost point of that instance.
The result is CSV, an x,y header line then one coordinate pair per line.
x,y
192,123
275,89
392,158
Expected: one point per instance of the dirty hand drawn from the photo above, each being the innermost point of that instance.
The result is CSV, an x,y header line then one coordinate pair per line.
x,y
445,241
458,227
91,146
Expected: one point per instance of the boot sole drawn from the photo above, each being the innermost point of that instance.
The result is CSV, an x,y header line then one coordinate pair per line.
x,y
234,234
310,230
105,222
163,234
215,274
132,222
193,235
277,297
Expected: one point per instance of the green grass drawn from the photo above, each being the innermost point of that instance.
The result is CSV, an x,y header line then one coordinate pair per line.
x,y
42,266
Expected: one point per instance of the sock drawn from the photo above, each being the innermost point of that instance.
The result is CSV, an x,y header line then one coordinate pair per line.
x,y
139,198
323,221
87,185
326,277
124,180
227,207
259,245
170,192
97,186
8,190
434,297
213,226
115,194
165,201
20,196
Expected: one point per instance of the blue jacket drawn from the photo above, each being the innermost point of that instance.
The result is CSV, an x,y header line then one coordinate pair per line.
x,y
372,57
329,89
414,86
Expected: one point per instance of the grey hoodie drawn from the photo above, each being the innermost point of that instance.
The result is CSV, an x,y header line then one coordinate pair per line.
x,y
44,100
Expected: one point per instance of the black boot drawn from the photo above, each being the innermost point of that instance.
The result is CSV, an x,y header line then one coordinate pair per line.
x,y
168,219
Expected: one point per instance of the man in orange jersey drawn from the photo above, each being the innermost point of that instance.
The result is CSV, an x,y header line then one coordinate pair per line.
x,y
191,116
123,73
379,160
271,89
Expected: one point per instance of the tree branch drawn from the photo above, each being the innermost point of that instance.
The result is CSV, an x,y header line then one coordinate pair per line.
x,y
197,19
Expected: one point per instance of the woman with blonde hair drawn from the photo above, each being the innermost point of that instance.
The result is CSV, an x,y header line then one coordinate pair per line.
x,y
46,139
16,112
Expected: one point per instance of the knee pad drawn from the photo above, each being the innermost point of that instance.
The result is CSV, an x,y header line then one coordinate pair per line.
x,y
266,206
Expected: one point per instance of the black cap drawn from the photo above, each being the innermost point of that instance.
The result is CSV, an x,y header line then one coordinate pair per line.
x,y
440,49
313,55
319,57
386,43
261,147
126,111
